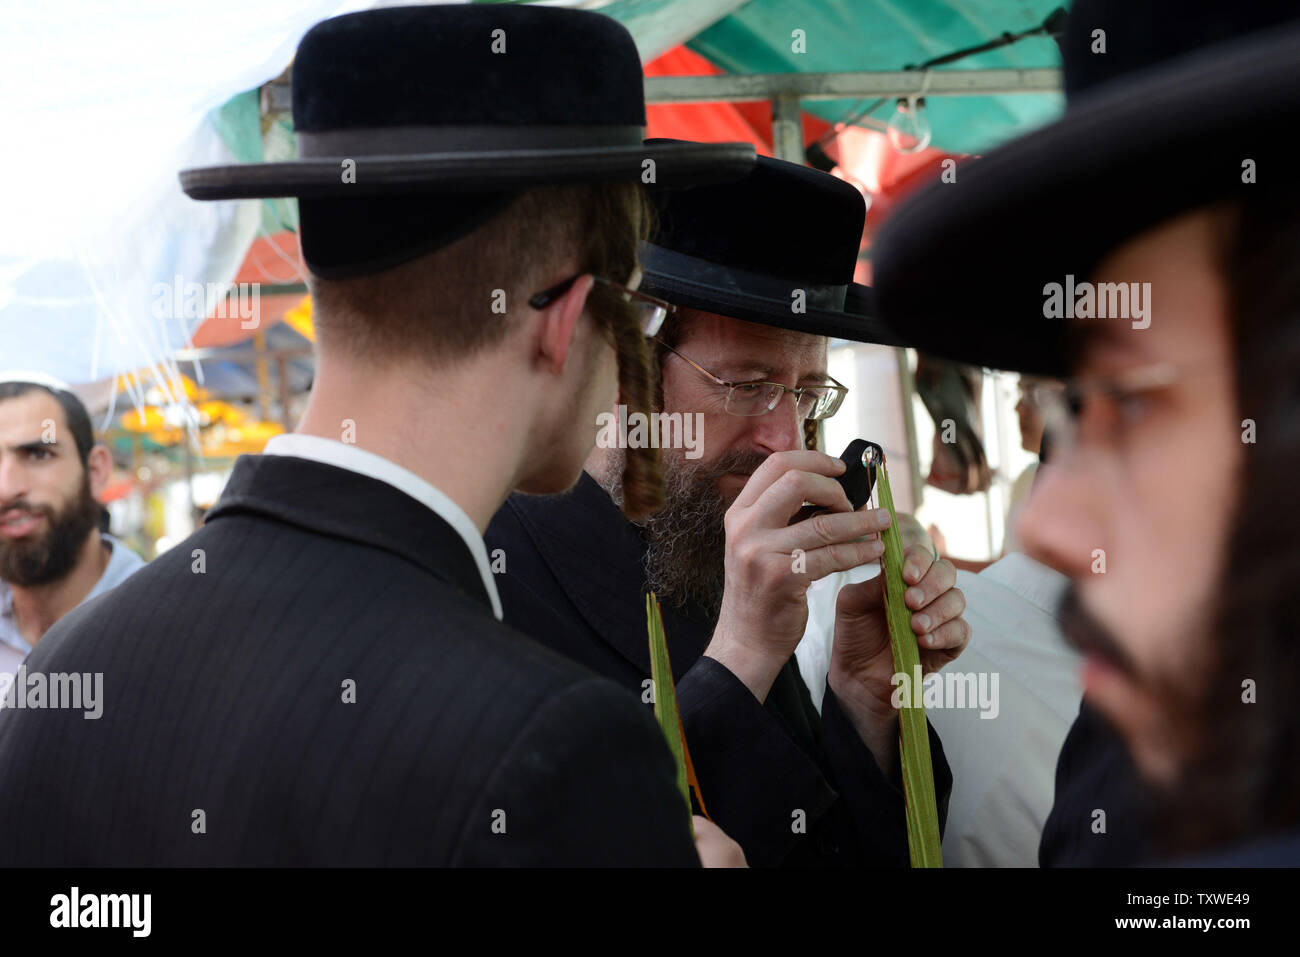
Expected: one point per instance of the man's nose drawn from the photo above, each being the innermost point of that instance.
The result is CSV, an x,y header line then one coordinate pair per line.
x,y
13,479
780,430
1060,525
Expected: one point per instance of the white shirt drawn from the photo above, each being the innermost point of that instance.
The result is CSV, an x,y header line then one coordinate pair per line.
x,y
1004,770
122,563
344,456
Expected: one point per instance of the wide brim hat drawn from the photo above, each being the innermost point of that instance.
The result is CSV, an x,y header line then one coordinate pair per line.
x,y
778,247
1190,104
486,98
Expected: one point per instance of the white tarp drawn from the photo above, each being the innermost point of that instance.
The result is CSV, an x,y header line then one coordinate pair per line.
x,y
101,104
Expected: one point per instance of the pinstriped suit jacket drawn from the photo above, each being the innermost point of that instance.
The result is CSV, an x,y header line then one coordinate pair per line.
x,y
226,738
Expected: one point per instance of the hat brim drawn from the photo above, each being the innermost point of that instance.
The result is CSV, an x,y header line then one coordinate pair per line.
x,y
856,322
676,165
960,268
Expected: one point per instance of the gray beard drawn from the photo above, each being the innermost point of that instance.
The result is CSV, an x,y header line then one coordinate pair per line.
x,y
686,542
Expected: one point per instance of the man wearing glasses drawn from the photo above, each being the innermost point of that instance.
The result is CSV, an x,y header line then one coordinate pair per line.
x,y
759,274
1168,497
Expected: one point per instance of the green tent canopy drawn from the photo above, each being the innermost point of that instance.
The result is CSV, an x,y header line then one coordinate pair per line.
x,y
876,35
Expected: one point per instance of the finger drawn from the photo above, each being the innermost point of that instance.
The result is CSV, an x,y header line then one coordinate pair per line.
x,y
917,560
940,577
778,463
932,661
787,494
831,528
859,598
821,562
949,640
704,828
939,612
714,847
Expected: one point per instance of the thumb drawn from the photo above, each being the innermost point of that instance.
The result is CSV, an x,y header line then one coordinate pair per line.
x,y
715,848
861,598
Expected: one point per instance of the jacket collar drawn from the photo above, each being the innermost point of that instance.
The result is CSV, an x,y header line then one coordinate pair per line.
x,y
598,558
350,456
349,505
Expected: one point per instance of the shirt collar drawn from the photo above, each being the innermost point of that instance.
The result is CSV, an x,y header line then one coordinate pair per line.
x,y
8,625
344,456
1040,585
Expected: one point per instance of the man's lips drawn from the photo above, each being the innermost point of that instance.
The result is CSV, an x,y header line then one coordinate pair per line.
x,y
1099,650
1098,672
1087,635
17,523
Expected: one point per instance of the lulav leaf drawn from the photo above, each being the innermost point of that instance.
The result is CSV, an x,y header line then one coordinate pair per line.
x,y
923,839
666,713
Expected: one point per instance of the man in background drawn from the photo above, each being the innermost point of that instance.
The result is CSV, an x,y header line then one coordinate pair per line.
x,y
53,554
1168,497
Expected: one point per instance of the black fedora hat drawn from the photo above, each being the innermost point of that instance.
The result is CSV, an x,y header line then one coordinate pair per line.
x,y
1189,99
475,97
778,247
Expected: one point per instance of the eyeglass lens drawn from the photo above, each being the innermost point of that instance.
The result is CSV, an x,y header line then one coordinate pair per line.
x,y
756,398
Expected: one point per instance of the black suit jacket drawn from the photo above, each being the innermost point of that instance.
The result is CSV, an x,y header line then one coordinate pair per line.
x,y
223,693
574,579
1276,850
1095,773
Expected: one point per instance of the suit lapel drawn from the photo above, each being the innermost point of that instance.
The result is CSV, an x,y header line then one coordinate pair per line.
x,y
346,504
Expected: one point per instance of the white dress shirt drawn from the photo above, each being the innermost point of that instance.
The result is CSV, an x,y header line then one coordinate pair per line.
x,y
1004,770
344,456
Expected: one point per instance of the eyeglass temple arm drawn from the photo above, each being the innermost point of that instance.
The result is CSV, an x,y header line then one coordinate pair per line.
x,y
695,365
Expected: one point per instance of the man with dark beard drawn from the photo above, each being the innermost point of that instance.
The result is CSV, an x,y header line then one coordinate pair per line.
x,y
53,556
761,272
1169,495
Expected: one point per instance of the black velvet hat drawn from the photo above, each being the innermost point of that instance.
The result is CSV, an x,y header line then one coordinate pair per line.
x,y
1165,120
746,249
417,124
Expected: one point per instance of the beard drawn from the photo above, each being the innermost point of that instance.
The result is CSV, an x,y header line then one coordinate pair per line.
x,y
686,541
1085,633
51,557
1178,697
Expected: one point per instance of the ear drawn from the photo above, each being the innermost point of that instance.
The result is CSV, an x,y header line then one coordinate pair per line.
x,y
99,469
560,324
